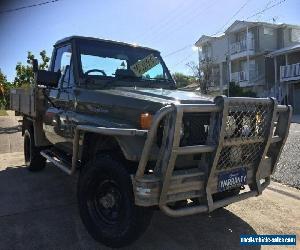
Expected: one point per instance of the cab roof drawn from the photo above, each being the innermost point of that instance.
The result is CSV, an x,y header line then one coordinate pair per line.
x,y
70,38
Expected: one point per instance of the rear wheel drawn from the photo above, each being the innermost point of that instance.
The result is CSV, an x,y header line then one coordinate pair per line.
x,y
106,203
33,159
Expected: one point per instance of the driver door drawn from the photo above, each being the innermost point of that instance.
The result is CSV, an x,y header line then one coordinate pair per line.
x,y
56,118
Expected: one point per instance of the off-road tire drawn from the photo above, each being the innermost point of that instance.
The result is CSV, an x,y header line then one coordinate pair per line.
x,y
127,221
33,159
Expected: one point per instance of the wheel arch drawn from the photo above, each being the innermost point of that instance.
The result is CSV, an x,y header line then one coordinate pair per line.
x,y
127,147
26,124
36,127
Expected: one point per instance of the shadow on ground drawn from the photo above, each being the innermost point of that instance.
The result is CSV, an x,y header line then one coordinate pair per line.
x,y
10,130
296,118
39,211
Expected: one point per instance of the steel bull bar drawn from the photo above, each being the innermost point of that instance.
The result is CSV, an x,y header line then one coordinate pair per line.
x,y
167,184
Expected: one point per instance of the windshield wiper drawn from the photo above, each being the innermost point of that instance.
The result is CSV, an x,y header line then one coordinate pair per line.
x,y
129,81
160,79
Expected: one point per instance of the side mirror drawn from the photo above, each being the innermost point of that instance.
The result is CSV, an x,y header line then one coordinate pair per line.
x,y
47,78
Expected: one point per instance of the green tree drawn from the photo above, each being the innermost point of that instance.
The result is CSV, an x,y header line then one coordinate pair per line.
x,y
24,73
182,80
203,73
24,77
4,91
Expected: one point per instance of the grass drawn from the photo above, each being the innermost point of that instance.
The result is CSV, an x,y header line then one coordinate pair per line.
x,y
2,112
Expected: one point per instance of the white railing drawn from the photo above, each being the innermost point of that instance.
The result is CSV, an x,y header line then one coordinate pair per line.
x,y
242,76
239,76
241,46
290,72
235,77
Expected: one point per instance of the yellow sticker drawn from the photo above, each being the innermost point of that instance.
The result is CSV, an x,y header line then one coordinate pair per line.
x,y
142,66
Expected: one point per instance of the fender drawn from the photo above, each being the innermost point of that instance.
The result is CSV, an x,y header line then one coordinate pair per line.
x,y
114,132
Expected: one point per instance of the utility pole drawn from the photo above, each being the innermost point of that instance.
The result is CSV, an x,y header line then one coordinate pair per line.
x,y
199,64
248,60
229,63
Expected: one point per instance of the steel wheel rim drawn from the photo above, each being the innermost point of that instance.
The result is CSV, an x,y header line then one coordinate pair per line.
x,y
106,203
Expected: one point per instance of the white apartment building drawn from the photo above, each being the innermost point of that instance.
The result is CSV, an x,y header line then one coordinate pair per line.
x,y
254,54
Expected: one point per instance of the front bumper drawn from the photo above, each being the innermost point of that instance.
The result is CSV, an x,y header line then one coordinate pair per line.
x,y
166,184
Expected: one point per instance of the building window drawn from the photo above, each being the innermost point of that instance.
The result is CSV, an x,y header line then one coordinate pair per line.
x,y
268,31
295,35
207,51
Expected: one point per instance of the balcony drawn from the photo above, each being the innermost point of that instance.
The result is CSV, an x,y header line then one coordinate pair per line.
x,y
205,57
241,78
214,82
290,72
239,49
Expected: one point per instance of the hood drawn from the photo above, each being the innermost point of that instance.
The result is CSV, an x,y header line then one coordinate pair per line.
x,y
163,96
125,104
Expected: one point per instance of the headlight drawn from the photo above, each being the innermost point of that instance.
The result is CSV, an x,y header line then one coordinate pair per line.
x,y
181,130
246,129
259,118
230,126
258,123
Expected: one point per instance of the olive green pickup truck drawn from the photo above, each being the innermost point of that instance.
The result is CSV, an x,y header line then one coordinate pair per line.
x,y
110,113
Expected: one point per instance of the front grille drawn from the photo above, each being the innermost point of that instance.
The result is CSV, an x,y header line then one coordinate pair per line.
x,y
246,120
248,124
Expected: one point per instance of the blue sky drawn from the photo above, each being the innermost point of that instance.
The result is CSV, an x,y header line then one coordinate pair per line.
x,y
163,25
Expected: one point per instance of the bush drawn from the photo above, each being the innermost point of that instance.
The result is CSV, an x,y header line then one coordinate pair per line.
x,y
236,91
4,91
182,80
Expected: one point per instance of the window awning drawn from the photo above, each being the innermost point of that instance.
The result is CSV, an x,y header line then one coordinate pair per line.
x,y
285,50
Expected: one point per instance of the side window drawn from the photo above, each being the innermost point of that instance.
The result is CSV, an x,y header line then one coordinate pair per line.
x,y
62,63
67,78
71,76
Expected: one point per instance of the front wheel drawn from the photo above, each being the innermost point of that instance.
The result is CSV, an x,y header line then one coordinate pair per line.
x,y
106,203
33,159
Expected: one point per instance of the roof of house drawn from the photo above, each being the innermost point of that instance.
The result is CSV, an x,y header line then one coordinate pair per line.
x,y
285,50
239,24
205,39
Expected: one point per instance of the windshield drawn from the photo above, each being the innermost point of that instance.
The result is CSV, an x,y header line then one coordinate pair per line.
x,y
103,60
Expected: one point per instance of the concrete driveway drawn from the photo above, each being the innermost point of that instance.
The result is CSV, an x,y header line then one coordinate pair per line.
x,y
10,135
39,211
